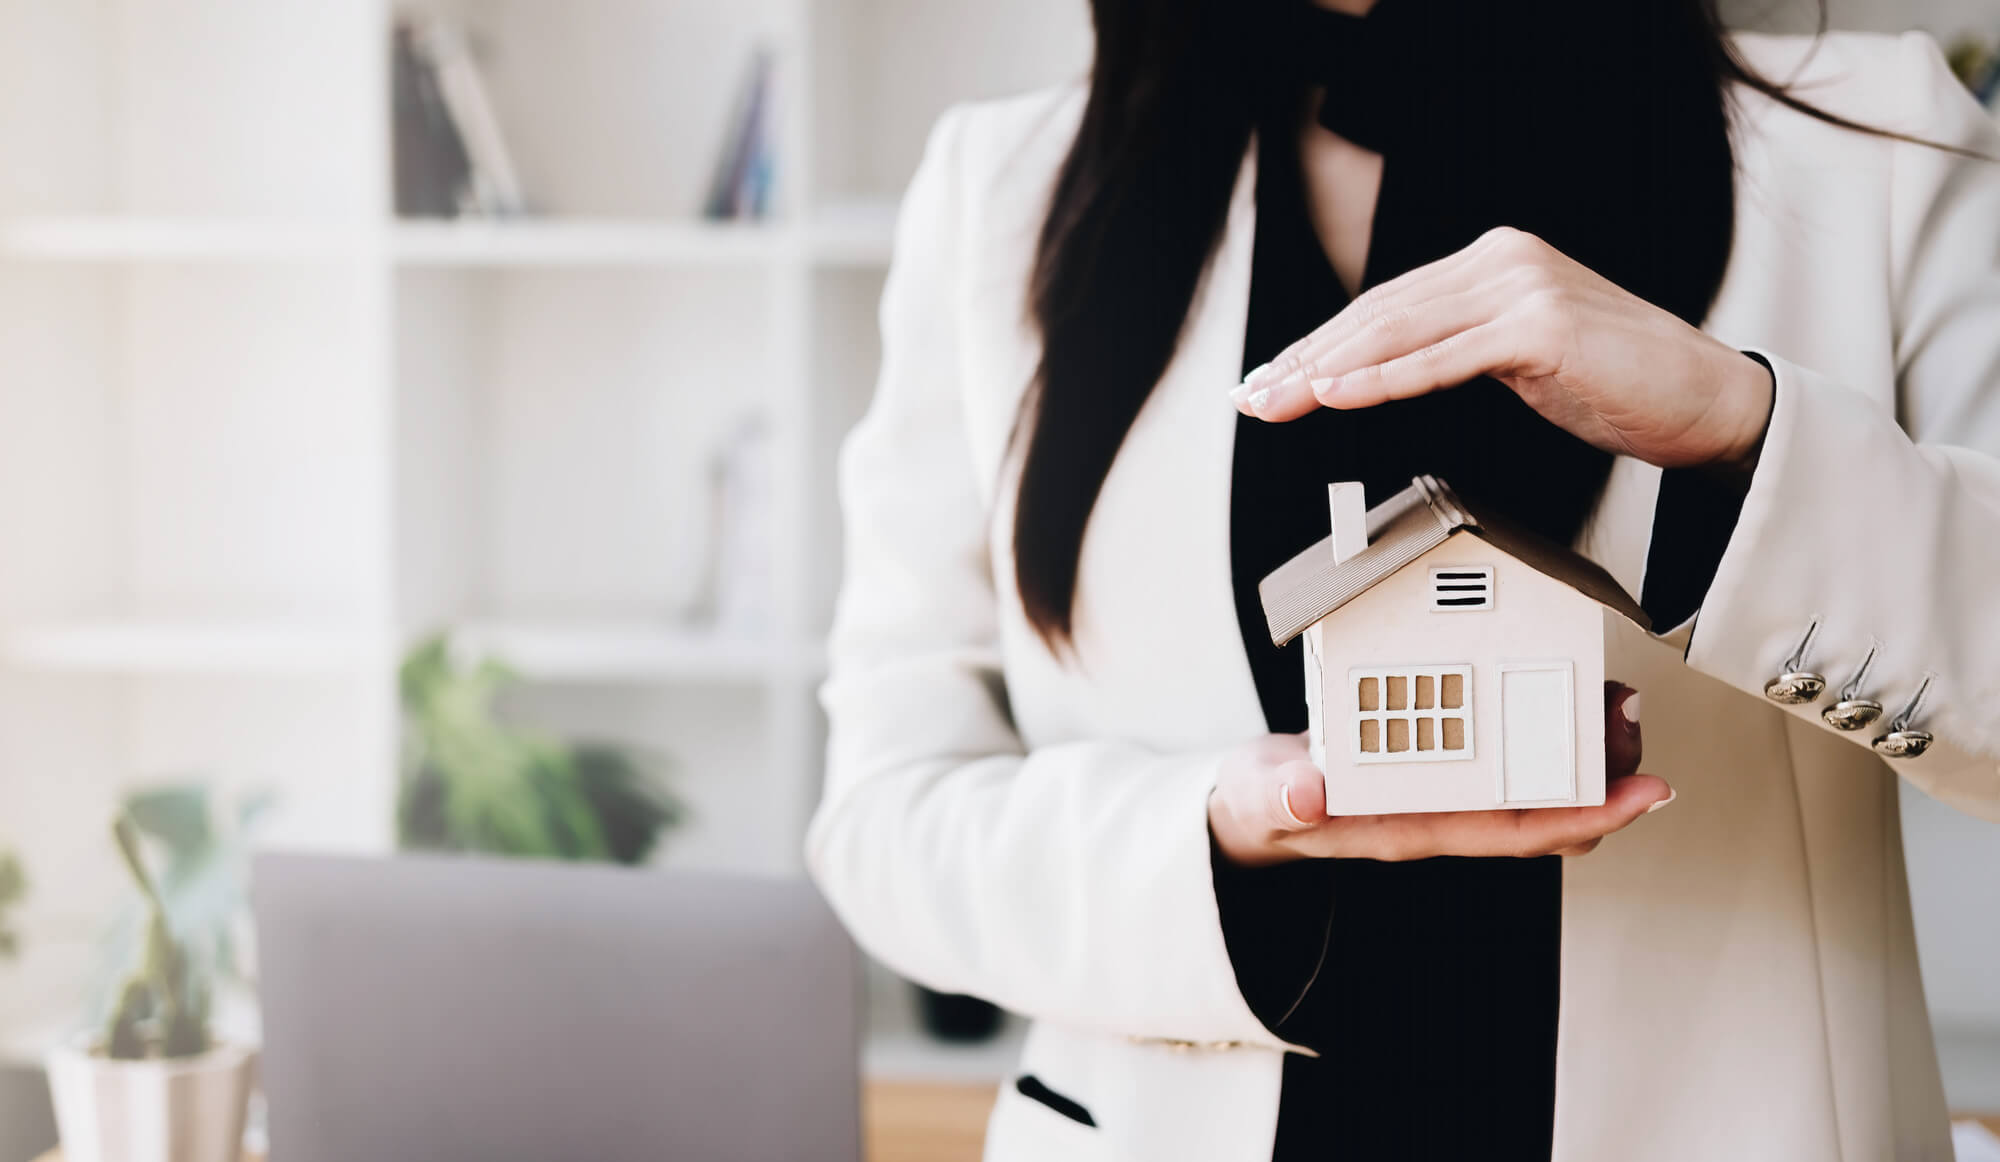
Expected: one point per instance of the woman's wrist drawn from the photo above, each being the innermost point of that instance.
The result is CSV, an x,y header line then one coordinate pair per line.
x,y
1752,391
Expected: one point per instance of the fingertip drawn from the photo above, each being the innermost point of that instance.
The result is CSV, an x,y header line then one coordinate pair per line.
x,y
1303,794
1281,403
1621,702
1638,794
1285,805
1269,374
1624,745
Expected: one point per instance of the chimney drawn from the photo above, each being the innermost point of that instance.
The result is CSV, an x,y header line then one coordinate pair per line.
x,y
1349,506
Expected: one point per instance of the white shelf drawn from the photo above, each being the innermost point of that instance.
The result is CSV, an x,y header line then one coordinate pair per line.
x,y
847,238
529,242
634,652
126,647
896,1048
854,234
115,239
913,1055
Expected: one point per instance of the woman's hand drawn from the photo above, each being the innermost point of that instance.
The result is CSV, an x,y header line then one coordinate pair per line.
x,y
1600,363
1269,806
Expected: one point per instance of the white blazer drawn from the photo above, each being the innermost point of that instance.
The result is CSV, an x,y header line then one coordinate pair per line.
x,y
1739,979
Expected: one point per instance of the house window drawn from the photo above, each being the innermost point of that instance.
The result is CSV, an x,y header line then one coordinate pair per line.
x,y
1462,588
1412,713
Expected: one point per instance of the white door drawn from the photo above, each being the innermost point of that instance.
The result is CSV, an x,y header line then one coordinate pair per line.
x,y
1537,733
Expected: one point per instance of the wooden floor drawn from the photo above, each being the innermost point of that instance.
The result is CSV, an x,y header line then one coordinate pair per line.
x,y
927,1122
901,1122
924,1121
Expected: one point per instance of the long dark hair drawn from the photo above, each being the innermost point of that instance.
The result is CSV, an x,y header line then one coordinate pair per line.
x,y
1137,210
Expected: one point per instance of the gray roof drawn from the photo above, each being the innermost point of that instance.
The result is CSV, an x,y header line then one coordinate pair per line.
x,y
1404,527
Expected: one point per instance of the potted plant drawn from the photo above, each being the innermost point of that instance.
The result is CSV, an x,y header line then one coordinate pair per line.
x,y
473,783
154,1085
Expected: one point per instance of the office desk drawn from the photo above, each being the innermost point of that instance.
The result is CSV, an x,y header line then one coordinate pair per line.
x,y
902,1121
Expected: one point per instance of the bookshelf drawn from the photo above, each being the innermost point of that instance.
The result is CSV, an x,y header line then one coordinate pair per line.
x,y
257,434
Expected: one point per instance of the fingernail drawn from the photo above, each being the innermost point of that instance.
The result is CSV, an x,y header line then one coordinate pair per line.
x,y
1255,374
1671,796
1238,394
1630,708
1258,399
1324,387
1285,797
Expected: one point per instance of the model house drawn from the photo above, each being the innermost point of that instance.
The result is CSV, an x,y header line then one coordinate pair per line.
x,y
1454,662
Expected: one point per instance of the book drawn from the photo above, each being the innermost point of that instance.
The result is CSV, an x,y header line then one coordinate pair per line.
x,y
736,587
740,187
493,186
428,159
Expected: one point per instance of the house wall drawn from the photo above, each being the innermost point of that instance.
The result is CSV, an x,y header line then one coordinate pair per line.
x,y
1315,692
1533,619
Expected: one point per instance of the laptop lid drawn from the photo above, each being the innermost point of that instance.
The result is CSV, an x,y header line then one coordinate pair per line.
x,y
446,1008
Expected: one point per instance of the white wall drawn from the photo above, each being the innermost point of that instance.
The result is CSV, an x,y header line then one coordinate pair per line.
x,y
1954,864
1942,18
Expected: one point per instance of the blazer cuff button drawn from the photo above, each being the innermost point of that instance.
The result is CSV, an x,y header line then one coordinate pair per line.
x,y
1852,711
1797,685
1902,741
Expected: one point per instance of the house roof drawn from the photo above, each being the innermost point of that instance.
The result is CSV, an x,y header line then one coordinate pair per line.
x,y
1404,527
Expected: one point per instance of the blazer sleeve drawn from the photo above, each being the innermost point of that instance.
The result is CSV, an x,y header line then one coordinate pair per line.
x,y
1069,882
1884,527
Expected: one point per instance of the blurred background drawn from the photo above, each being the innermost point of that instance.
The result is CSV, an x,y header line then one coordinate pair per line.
x,y
393,394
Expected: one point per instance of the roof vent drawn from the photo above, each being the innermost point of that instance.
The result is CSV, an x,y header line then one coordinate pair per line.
x,y
1462,588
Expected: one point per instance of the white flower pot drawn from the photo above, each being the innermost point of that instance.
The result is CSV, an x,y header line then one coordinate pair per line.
x,y
189,1110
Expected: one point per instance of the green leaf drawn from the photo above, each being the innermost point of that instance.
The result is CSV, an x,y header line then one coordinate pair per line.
x,y
127,835
13,881
630,801
124,1038
472,782
13,888
177,816
252,809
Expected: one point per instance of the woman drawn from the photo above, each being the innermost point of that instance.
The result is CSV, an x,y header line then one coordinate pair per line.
x,y
1736,339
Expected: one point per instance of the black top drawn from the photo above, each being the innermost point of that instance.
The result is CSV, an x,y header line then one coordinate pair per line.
x,y
1417,1058
1428,988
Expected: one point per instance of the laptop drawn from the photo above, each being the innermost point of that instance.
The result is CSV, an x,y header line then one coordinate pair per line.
x,y
446,1009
